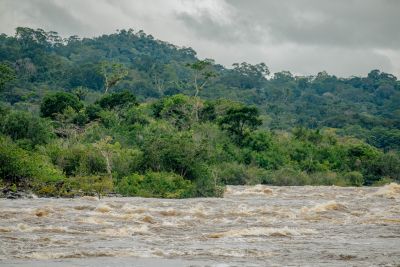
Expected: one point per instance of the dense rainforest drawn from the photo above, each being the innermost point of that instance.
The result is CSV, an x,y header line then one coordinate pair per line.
x,y
127,113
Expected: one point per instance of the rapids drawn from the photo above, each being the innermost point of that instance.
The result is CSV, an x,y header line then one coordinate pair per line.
x,y
250,226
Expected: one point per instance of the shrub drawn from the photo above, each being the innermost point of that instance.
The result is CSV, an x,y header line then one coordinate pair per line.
x,y
92,112
206,183
383,181
156,184
166,149
259,141
288,176
270,160
230,173
27,129
126,161
115,100
389,165
18,166
93,184
177,110
354,178
136,115
77,159
15,164
233,173
80,118
255,175
109,119
327,178
56,104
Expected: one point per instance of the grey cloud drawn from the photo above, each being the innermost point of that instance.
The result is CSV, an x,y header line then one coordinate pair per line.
x,y
49,15
207,28
361,23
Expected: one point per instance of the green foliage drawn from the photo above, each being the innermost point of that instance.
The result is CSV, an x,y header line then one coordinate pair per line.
x,y
109,119
247,76
80,118
15,164
117,100
7,74
76,160
27,129
202,74
288,176
93,185
388,165
166,149
239,122
25,169
156,184
113,73
259,141
177,109
383,181
355,178
92,112
56,103
136,115
232,173
328,178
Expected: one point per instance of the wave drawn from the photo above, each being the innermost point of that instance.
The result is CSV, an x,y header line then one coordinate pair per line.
x,y
263,231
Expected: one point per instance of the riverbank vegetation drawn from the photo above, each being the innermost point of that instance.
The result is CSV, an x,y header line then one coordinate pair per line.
x,y
125,113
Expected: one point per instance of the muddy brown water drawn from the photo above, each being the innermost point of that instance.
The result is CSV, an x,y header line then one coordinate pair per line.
x,y
250,226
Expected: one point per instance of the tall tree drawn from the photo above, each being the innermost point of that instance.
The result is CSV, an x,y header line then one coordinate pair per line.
x,y
113,73
202,74
240,121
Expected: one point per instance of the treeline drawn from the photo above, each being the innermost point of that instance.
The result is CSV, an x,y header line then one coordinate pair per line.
x,y
178,146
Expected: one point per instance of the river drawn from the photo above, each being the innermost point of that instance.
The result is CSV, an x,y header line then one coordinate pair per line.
x,y
250,226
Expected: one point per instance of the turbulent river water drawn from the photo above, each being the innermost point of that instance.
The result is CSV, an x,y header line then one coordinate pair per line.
x,y
250,226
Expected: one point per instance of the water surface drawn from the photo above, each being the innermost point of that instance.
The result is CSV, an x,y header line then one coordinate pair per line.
x,y
250,226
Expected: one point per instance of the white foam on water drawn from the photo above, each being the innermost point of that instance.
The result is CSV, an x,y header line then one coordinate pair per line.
x,y
327,206
103,208
260,190
263,231
125,231
90,198
391,191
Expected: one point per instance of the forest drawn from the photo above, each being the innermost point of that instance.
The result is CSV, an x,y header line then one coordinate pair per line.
x,y
128,114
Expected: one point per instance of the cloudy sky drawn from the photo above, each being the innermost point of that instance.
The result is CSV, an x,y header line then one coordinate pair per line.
x,y
343,37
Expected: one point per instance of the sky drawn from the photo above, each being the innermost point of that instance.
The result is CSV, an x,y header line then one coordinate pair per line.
x,y
342,37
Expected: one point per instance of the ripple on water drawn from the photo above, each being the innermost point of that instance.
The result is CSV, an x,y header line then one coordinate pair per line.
x,y
43,212
103,208
125,231
260,190
327,206
263,231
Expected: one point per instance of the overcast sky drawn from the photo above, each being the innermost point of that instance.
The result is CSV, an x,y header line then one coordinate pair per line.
x,y
343,37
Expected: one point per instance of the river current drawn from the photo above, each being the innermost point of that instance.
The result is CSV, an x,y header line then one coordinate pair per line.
x,y
250,226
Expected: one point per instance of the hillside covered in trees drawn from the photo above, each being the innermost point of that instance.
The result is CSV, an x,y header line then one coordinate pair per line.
x,y
131,114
